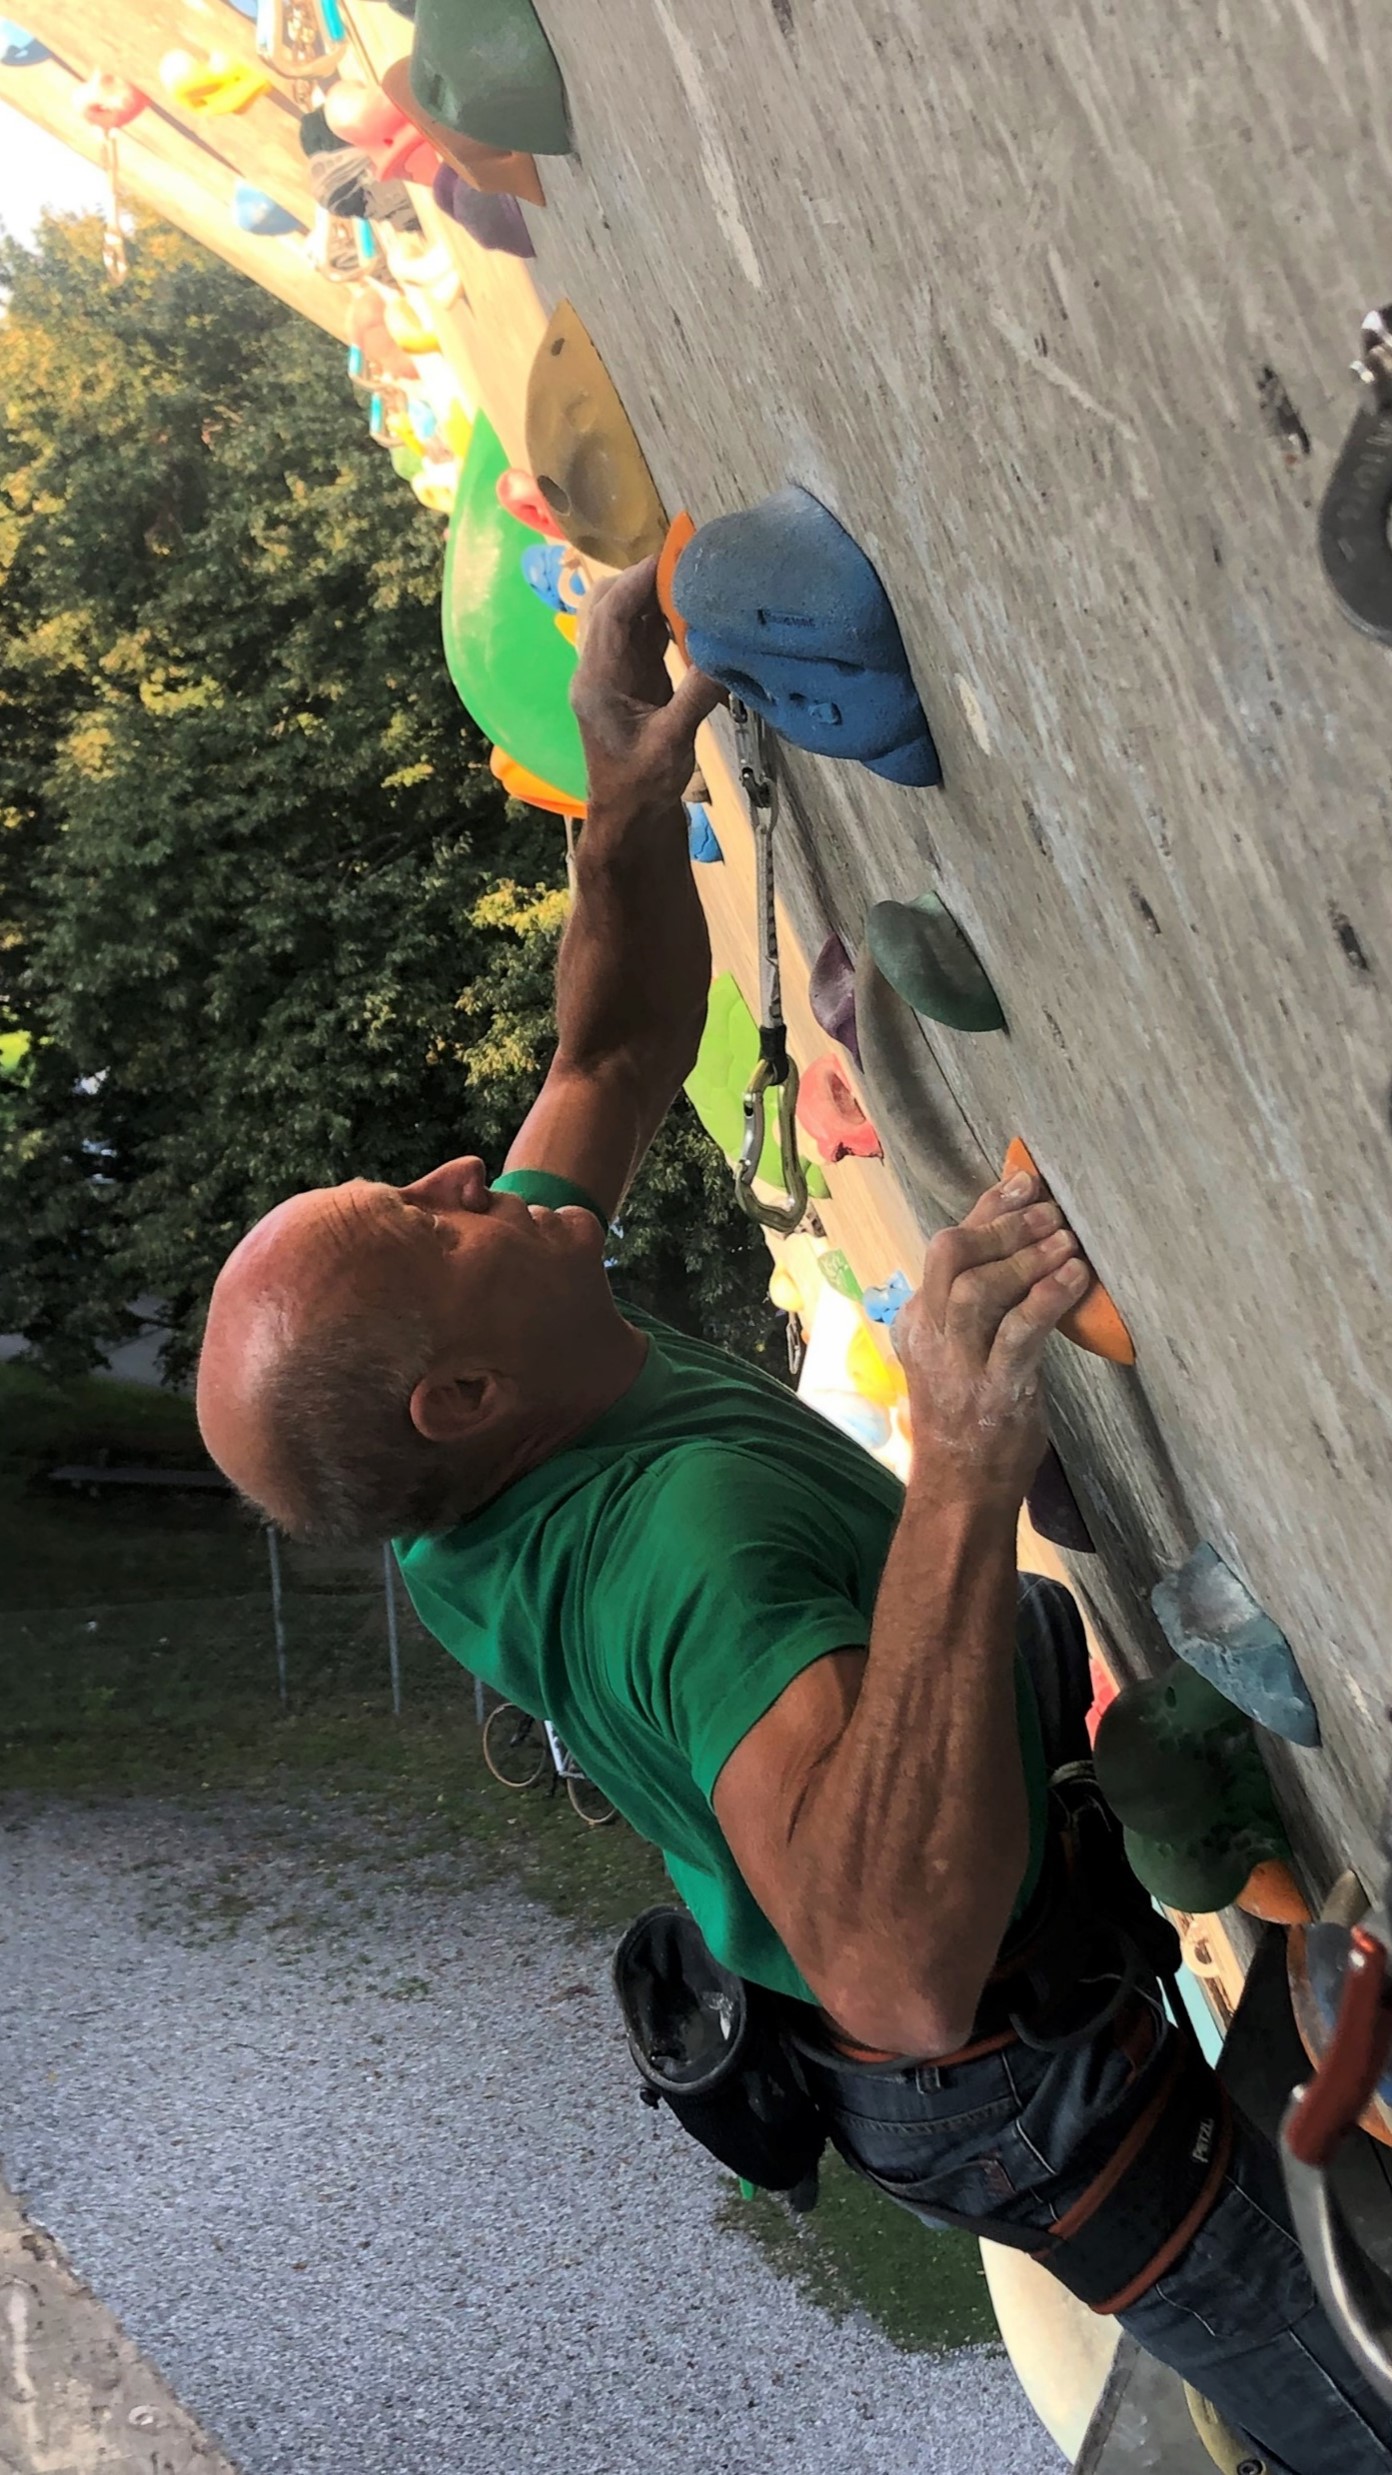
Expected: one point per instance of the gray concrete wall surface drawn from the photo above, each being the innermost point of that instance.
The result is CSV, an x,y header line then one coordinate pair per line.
x,y
76,2397
1054,308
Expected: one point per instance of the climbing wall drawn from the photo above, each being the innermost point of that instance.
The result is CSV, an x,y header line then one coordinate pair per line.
x,y
1054,310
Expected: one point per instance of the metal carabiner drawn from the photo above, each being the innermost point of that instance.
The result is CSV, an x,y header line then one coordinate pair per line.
x,y
776,1070
1354,548
1319,2116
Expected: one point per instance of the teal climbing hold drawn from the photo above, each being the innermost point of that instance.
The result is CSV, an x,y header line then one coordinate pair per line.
x,y
1211,1620
485,68
919,948
1180,1768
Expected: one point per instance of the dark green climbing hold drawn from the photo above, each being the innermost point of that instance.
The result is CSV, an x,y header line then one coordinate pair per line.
x,y
485,68
1211,1619
1180,1768
919,948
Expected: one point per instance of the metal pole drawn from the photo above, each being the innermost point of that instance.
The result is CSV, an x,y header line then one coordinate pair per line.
x,y
393,1642
277,1616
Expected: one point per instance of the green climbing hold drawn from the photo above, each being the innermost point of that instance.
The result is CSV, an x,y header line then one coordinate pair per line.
x,y
919,948
721,1076
510,664
1180,1768
485,68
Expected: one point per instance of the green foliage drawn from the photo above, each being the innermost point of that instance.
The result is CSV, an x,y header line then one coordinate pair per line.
x,y
265,916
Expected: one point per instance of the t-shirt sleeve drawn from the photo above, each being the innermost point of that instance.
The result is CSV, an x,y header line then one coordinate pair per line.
x,y
731,1579
543,1186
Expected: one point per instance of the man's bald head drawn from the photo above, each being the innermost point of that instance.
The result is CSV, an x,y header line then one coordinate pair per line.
x,y
313,1341
379,1360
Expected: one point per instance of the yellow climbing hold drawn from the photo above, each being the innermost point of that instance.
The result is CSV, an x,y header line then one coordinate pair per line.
x,y
211,85
784,1292
878,1378
581,446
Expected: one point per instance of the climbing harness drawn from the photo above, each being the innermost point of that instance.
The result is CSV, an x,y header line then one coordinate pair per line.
x,y
776,1070
1354,548
1317,2120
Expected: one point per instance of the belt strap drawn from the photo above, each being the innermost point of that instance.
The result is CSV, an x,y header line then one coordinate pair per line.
x,y
1152,2195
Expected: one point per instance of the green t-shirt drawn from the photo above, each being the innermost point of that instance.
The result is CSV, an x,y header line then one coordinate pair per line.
x,y
653,1588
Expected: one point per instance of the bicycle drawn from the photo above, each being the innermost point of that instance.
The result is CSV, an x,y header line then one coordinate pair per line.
x,y
518,1748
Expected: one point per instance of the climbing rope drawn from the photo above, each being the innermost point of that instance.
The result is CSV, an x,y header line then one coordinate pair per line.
x,y
1318,2119
113,238
775,1070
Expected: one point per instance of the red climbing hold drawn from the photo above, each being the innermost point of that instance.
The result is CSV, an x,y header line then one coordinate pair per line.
x,y
829,1111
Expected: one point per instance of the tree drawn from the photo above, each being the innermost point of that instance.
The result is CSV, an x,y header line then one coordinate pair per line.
x,y
265,914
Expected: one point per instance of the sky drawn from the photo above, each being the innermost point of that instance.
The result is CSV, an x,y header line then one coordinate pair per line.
x,y
36,171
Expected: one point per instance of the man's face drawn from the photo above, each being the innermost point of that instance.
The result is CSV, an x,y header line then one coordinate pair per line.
x,y
498,1282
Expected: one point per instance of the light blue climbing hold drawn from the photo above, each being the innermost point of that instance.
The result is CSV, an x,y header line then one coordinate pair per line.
x,y
541,564
785,610
1211,1620
357,361
366,239
19,49
884,1303
421,416
253,211
701,840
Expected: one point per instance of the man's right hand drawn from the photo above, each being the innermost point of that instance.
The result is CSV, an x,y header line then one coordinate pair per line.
x,y
971,1342
639,734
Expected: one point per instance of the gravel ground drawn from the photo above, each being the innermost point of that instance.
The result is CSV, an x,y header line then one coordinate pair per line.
x,y
358,2162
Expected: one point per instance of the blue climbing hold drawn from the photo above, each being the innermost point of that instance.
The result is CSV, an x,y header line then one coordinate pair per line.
x,y
785,609
1211,1620
541,564
357,361
883,1304
254,211
19,49
701,840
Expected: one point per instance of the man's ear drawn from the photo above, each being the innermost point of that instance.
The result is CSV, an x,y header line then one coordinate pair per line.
x,y
447,1408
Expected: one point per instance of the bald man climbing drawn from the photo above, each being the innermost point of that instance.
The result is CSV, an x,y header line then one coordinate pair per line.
x,y
831,1702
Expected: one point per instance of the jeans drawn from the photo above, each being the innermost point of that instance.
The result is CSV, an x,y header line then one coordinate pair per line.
x,y
1000,2138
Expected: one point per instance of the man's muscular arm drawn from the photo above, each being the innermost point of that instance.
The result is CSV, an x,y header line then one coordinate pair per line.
x,y
878,1811
634,969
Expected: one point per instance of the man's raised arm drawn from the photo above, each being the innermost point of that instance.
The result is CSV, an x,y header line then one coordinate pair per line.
x,y
634,969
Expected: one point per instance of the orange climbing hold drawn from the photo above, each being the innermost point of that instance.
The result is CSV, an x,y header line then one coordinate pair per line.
x,y
680,531
519,783
1272,1893
491,168
1094,1323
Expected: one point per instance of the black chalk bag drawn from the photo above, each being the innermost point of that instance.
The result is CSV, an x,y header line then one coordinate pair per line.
x,y
711,2046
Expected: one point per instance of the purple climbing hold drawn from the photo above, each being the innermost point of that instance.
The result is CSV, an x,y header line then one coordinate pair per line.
x,y
785,610
1054,1509
494,221
831,995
